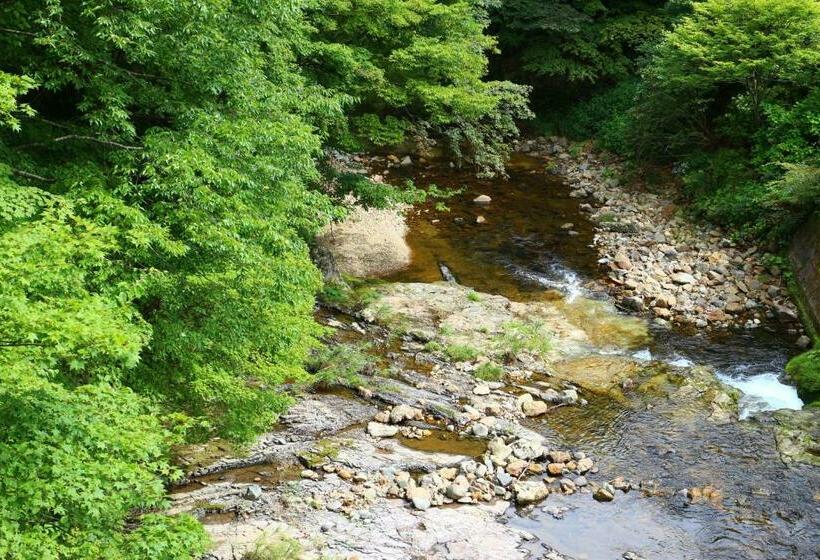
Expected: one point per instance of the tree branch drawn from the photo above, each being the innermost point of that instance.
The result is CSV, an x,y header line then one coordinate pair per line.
x,y
98,140
18,32
31,175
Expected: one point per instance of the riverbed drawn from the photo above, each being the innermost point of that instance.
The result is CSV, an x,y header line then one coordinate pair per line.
x,y
531,242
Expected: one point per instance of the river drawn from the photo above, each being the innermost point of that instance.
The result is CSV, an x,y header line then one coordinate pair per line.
x,y
522,250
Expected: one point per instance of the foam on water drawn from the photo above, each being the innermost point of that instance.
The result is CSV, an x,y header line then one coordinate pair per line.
x,y
559,278
763,392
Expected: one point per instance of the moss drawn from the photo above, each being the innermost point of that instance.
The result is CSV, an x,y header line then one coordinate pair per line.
x,y
805,371
209,507
320,454
473,296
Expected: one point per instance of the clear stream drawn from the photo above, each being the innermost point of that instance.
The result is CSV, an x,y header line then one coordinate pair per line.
x,y
767,510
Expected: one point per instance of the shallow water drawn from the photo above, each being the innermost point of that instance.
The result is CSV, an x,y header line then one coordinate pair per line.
x,y
767,511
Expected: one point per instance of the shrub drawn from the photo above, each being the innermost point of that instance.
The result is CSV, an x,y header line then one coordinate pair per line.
x,y
489,371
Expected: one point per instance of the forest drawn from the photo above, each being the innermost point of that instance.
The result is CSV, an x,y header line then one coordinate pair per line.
x,y
162,179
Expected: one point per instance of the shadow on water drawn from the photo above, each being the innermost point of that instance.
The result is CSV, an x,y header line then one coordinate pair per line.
x,y
767,510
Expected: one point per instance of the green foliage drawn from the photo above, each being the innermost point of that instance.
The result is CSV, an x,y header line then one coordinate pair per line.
x,y
732,93
489,371
805,371
604,116
276,547
473,296
336,364
76,465
461,352
415,68
524,336
577,41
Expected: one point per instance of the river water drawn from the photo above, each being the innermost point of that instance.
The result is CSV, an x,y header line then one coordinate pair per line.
x,y
521,250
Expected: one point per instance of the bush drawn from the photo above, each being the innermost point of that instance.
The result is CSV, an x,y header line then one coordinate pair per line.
x,y
489,371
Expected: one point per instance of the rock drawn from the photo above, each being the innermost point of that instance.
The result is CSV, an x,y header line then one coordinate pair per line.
x,y
605,493
420,497
555,469
404,412
528,492
459,488
382,416
480,219
406,160
559,456
481,390
803,342
503,477
515,468
482,199
682,278
377,429
634,303
253,492
309,474
622,261
480,430
499,450
534,408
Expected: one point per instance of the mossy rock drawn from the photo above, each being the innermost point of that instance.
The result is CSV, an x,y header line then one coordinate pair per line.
x,y
804,370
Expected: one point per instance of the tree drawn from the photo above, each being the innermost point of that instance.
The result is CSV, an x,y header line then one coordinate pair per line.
x,y
416,69
733,92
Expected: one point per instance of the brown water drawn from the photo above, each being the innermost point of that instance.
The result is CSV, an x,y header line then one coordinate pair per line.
x,y
768,510
446,442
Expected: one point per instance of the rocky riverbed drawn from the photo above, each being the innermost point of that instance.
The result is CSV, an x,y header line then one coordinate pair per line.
x,y
661,263
353,486
524,425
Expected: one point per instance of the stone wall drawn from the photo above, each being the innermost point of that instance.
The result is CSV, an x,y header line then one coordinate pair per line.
x,y
805,258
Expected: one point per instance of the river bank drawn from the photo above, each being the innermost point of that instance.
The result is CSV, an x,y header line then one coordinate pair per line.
x,y
539,423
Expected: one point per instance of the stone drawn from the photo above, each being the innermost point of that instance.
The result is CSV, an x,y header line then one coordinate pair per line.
x,y
482,199
682,278
528,492
559,456
406,160
584,465
377,429
503,477
480,219
404,412
803,342
253,492
515,468
459,488
480,430
534,408
605,493
309,474
421,497
555,469
635,303
498,449
481,390
622,261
